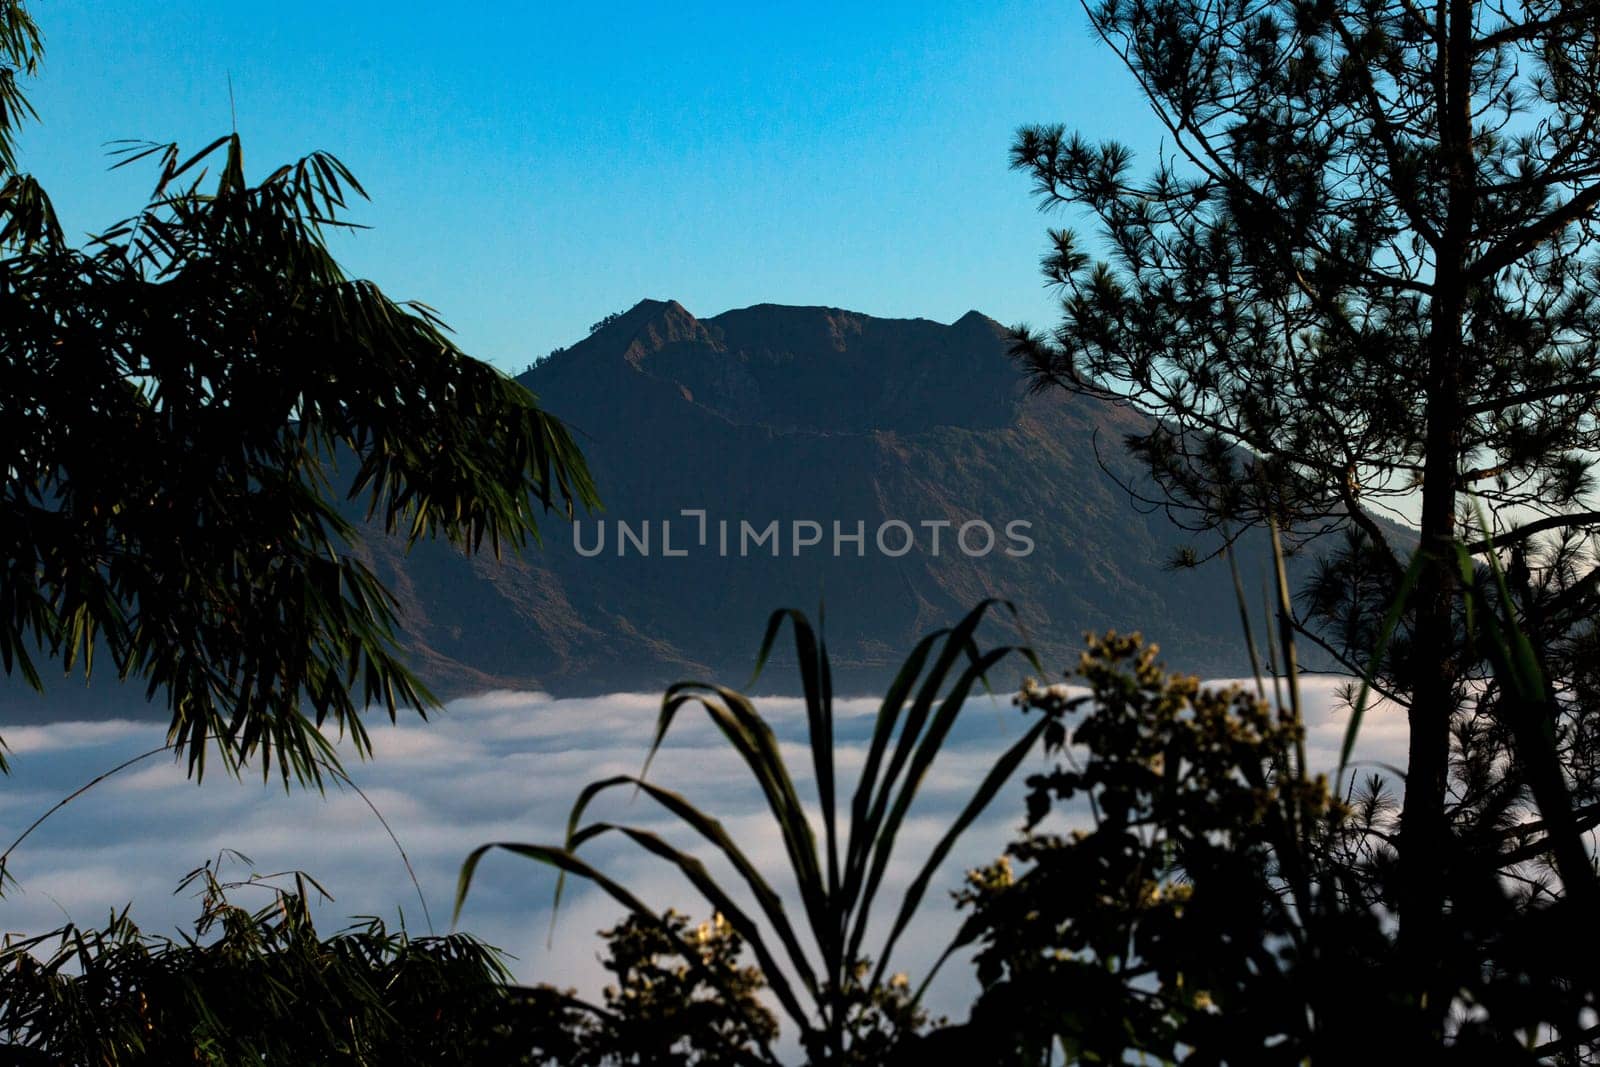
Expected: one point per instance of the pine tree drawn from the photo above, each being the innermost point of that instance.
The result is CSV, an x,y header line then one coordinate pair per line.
x,y
1362,277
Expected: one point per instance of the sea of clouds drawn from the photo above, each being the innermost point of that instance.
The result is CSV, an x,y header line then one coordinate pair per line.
x,y
498,767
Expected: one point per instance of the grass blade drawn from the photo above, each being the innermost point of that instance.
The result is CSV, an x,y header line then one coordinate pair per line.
x,y
713,831
884,836
1391,620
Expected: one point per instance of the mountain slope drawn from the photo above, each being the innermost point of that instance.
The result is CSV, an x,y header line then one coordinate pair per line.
x,y
809,415
786,415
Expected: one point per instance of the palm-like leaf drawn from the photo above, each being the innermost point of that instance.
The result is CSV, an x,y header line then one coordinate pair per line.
x,y
811,967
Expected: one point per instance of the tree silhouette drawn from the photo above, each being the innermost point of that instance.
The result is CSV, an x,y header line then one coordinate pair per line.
x,y
1362,276
180,396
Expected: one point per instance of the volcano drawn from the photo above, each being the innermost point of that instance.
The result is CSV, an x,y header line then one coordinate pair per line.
x,y
809,458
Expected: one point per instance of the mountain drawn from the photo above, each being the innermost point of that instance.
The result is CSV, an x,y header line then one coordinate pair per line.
x,y
808,415
786,415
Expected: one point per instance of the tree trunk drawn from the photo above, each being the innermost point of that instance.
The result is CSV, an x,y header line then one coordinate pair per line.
x,y
1424,831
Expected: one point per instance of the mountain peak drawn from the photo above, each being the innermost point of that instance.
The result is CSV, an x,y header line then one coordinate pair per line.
x,y
773,418
650,308
648,327
802,369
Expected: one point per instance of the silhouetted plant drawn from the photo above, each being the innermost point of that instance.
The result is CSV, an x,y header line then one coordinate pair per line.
x,y
1178,922
1221,907
1362,277
176,397
249,987
662,1010
841,999
179,397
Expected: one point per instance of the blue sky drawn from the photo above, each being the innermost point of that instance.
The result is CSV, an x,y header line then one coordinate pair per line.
x,y
534,167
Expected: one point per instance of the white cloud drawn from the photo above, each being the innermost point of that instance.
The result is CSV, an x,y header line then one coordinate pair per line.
x,y
23,740
497,767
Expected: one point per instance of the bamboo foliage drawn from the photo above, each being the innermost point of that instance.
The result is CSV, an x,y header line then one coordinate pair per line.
x,y
181,395
251,985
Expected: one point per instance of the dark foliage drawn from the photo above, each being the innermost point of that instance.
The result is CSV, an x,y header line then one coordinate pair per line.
x,y
1365,277
1222,907
663,1010
175,396
249,986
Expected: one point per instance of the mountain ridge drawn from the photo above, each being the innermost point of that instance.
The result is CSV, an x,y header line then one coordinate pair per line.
x,y
794,417
786,414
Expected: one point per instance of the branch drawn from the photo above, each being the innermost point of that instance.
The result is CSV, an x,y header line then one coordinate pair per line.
x,y
1586,819
1532,396
1527,30
1569,597
1567,1044
1391,149
1519,243
1357,670
1528,529
1369,525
